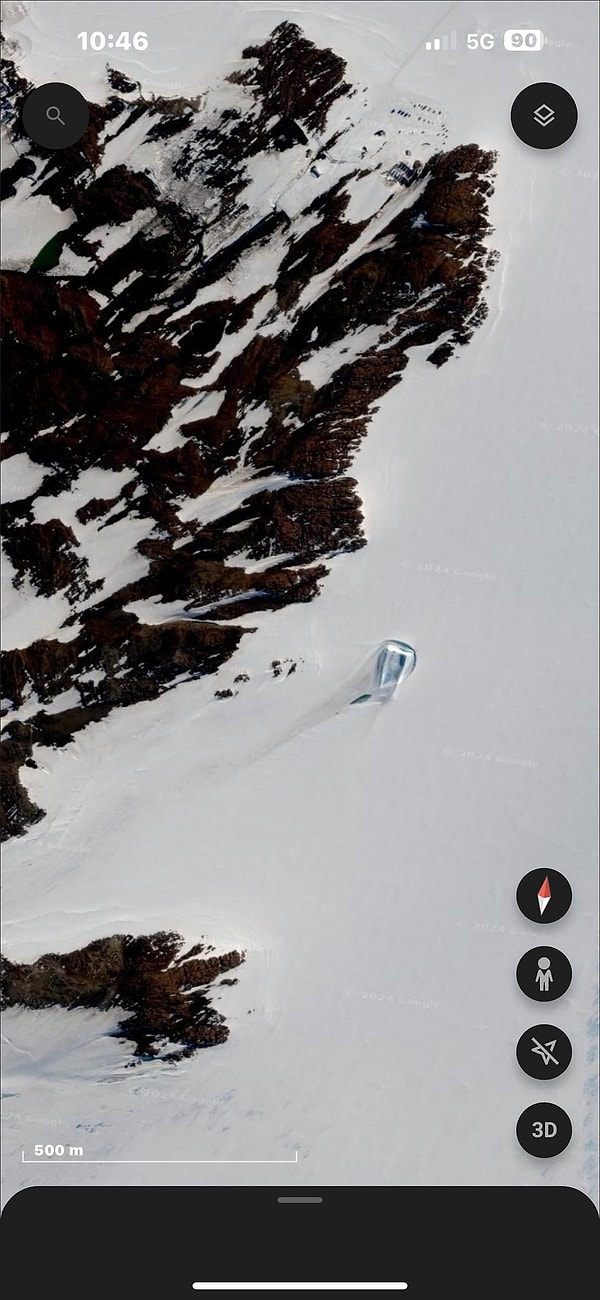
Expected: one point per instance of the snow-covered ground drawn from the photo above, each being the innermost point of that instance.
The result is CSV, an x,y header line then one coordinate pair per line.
x,y
366,858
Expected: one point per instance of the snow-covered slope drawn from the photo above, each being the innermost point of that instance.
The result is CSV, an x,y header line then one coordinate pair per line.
x,y
365,858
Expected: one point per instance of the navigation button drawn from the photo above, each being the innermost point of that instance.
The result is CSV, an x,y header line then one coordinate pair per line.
x,y
544,1052
55,115
544,115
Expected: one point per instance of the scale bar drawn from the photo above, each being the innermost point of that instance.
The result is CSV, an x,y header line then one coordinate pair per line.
x,y
74,1160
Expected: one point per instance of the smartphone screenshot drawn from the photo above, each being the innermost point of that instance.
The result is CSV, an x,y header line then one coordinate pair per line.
x,y
299,647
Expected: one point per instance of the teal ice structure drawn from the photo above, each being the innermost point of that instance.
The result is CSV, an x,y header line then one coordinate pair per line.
x,y
394,662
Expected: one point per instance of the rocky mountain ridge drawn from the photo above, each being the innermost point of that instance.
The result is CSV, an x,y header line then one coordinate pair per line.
x,y
242,280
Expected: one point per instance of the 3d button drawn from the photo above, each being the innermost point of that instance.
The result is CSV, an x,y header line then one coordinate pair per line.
x,y
544,896
55,115
544,1052
544,1130
544,115
544,974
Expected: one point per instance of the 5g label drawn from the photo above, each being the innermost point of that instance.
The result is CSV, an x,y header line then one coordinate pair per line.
x,y
480,41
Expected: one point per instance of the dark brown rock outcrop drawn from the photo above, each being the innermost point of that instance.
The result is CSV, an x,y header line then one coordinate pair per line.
x,y
295,80
162,990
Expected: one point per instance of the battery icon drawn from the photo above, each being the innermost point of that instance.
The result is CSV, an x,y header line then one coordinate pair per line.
x,y
524,39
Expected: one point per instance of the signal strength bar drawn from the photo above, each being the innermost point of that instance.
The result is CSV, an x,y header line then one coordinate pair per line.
x,y
447,42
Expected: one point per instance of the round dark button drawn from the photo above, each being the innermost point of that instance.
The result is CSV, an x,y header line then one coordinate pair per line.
x,y
544,974
544,115
55,115
544,1052
544,896
544,1130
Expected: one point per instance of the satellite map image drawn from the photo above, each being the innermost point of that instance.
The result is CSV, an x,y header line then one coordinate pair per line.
x,y
299,497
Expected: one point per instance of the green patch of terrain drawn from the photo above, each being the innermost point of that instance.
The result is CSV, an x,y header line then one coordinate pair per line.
x,y
49,256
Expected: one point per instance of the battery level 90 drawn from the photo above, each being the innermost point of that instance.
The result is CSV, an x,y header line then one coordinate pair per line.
x,y
524,39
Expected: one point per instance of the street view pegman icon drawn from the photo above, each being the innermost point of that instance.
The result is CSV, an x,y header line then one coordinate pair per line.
x,y
544,974
544,896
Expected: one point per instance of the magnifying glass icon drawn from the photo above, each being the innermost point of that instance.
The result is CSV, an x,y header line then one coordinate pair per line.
x,y
53,115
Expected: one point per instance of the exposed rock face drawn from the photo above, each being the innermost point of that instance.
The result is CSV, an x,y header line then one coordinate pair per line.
x,y
296,81
163,990
47,555
201,326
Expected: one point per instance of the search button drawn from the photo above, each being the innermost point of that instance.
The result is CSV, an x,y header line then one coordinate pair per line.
x,y
55,115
